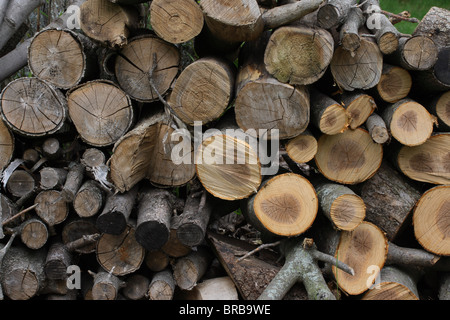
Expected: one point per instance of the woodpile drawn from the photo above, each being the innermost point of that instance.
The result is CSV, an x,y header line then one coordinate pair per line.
x,y
177,149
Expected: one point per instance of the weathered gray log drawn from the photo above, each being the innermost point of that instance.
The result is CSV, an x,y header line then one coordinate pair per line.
x,y
162,286
136,287
73,182
334,12
89,199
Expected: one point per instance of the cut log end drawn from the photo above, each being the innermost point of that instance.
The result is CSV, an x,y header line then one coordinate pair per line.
x,y
348,211
302,148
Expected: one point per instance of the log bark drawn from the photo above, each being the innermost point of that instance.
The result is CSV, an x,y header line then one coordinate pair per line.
x,y
108,23
286,205
359,106
343,207
188,270
355,156
203,90
409,122
135,63
162,286
410,257
176,21
430,220
58,259
74,180
101,112
360,69
426,162
334,13
89,199
444,287
106,286
377,128
155,210
439,106
299,55
389,200
44,113
263,102
115,215
349,32
121,254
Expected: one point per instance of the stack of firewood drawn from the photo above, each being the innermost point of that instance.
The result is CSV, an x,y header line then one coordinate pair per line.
x,y
241,149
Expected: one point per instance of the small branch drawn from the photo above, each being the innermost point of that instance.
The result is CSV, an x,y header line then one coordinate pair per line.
x,y
83,241
320,256
396,18
259,248
19,214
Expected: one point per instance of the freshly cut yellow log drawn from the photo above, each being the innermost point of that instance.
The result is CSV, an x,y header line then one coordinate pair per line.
x,y
431,220
302,148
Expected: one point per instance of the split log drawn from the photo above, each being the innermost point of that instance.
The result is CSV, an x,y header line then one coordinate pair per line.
x,y
430,220
349,32
7,145
348,158
62,57
220,288
299,55
377,128
20,183
116,213
427,162
344,208
359,106
394,284
176,21
386,34
440,107
82,232
302,148
52,178
395,84
134,66
418,52
203,90
286,205
120,254
34,233
334,13
188,270
263,102
136,287
327,115
363,248
108,23
22,273
44,112
409,122
389,200
89,199
74,180
155,208
106,286
360,69
51,207
162,286
434,24
101,112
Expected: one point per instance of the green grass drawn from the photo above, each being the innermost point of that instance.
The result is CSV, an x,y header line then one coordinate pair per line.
x,y
417,8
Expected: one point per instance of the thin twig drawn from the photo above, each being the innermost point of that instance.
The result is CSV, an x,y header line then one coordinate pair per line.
x,y
19,214
259,248
400,17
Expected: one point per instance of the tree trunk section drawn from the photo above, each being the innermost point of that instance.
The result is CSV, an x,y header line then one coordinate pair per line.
x,y
78,230
51,207
157,260
334,13
377,128
439,106
176,21
20,183
106,286
349,33
162,286
101,112
136,287
58,259
34,233
359,106
74,180
44,112
89,199
7,145
302,148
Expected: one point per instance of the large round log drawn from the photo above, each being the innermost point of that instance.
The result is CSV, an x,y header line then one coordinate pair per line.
x,y
7,145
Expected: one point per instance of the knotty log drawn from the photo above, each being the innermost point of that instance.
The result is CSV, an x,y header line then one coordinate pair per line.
x,y
426,162
135,62
377,128
359,106
409,122
62,57
108,23
348,158
89,199
395,84
286,205
299,55
394,284
302,148
116,213
389,200
101,112
359,69
44,112
176,21
344,208
51,207
7,145
120,254
203,90
162,286
188,270
22,273
334,13
155,210
263,102
430,220
327,115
